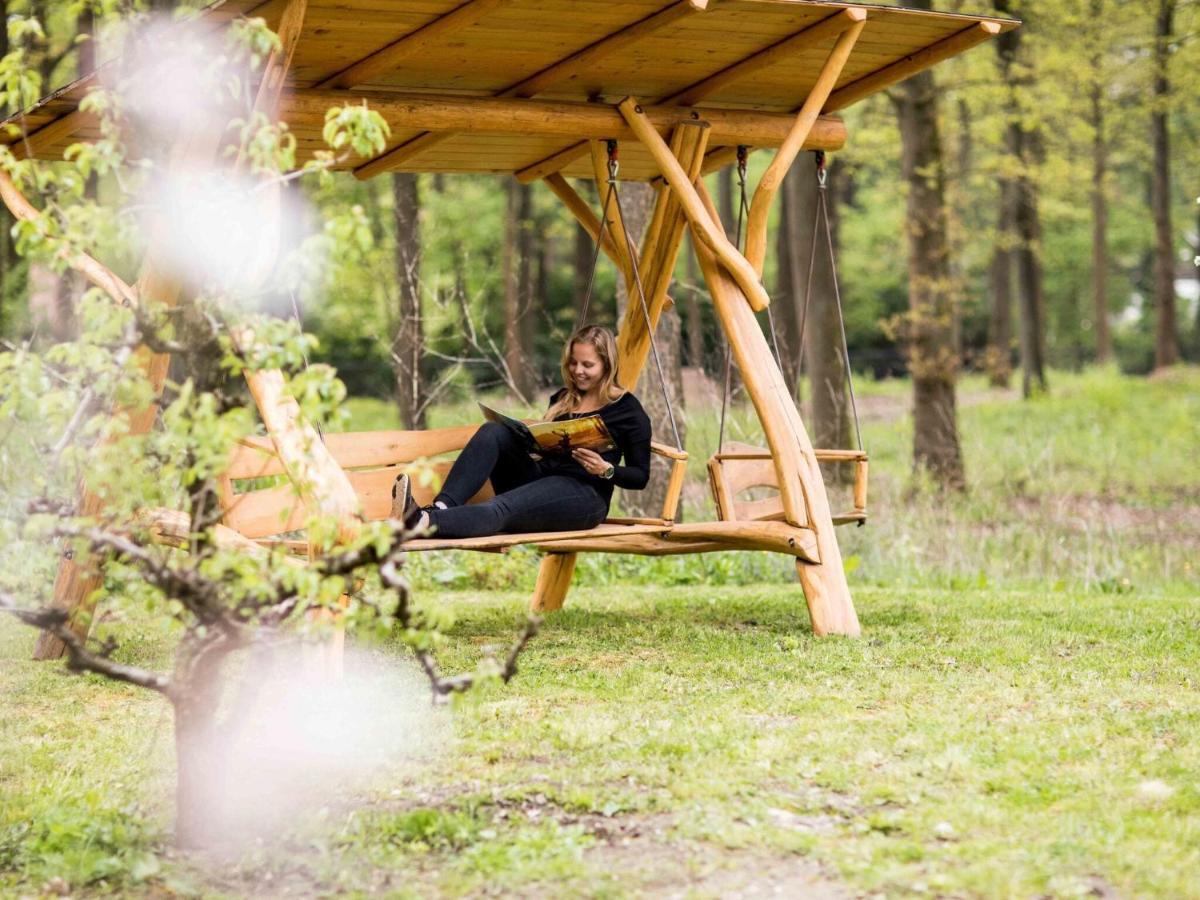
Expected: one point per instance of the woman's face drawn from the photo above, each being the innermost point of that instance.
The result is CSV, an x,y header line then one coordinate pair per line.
x,y
585,367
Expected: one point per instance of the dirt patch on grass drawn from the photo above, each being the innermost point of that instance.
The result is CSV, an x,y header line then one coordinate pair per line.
x,y
651,866
643,851
1178,523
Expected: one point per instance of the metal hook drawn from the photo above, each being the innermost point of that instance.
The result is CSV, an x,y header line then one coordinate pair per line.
x,y
613,165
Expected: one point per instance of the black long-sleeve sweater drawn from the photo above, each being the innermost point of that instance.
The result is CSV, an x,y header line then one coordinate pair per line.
x,y
629,426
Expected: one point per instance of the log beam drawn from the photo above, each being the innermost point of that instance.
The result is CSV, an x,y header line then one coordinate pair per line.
x,y
442,115
768,185
91,269
614,222
563,70
910,65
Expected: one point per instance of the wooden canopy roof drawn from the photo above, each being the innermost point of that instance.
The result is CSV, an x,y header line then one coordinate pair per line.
x,y
513,85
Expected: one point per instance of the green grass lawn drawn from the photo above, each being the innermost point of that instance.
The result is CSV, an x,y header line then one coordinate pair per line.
x,y
1020,718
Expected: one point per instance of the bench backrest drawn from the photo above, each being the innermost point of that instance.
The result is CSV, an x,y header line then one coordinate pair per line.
x,y
371,459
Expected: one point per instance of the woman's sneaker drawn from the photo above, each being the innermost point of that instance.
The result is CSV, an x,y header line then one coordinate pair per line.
x,y
404,507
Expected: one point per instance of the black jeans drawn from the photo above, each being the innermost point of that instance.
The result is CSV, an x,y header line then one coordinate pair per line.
x,y
526,498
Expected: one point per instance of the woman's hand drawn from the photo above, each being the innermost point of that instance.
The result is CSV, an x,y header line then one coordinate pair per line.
x,y
592,462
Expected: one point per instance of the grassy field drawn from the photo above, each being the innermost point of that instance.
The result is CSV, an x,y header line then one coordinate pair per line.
x,y
1021,717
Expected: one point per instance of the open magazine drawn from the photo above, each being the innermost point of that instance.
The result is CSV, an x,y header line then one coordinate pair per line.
x,y
561,437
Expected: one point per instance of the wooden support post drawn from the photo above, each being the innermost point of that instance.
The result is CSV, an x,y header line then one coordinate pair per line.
x,y
554,578
660,250
801,487
708,232
768,185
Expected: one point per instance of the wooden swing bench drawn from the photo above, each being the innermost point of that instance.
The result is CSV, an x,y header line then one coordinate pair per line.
x,y
480,86
373,459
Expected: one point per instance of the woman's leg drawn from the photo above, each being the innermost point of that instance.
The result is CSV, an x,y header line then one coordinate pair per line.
x,y
553,503
493,452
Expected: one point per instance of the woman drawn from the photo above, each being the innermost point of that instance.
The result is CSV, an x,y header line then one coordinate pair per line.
x,y
551,494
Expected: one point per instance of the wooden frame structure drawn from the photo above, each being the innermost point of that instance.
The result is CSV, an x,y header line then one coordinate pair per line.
x,y
533,88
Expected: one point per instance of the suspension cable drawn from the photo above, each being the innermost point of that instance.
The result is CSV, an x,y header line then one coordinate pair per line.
x,y
587,294
613,169
822,212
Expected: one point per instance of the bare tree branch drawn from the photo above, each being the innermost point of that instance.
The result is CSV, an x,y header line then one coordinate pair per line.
x,y
80,659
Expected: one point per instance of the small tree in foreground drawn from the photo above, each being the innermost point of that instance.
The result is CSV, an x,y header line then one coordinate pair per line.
x,y
69,409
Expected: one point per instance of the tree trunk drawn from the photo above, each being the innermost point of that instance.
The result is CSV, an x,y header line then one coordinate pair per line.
x,y
515,270
930,330
1166,337
691,299
201,809
793,239
726,204
1022,145
1104,350
1029,288
408,342
637,204
824,361
530,249
998,361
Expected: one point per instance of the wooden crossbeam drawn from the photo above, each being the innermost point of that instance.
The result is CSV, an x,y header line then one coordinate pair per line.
x,y
416,42
560,71
582,211
768,185
696,92
827,28
922,59
556,118
52,133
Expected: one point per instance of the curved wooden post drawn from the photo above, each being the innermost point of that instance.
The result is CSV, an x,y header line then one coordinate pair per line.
x,y
705,230
801,487
768,185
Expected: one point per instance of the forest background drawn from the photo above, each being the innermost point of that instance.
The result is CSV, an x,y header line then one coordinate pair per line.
x,y
1066,150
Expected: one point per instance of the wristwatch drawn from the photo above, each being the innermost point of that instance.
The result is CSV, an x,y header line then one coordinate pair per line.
x,y
608,473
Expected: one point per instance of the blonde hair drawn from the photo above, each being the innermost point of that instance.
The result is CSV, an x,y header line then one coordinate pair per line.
x,y
605,345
